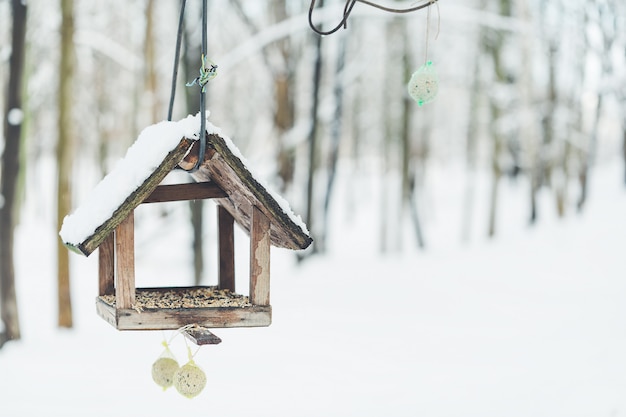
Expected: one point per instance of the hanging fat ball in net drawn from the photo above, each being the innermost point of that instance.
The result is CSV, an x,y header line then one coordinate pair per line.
x,y
164,368
424,84
190,379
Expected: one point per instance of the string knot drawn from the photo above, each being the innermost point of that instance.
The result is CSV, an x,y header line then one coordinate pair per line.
x,y
208,71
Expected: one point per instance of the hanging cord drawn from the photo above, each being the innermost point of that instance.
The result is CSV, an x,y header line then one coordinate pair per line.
x,y
203,90
179,38
348,9
166,342
190,355
201,81
428,27
208,71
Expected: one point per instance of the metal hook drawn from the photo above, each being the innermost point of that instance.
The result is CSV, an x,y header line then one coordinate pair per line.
x,y
348,9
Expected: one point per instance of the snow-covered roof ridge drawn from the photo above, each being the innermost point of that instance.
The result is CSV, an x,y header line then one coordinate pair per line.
x,y
230,170
284,205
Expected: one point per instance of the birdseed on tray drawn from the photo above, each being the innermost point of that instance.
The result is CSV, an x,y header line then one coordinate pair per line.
x,y
183,298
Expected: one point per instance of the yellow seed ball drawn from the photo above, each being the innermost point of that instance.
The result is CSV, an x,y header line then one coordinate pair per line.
x,y
163,370
189,380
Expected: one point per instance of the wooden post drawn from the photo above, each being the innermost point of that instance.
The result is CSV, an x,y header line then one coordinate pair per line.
x,y
259,258
125,257
106,266
226,232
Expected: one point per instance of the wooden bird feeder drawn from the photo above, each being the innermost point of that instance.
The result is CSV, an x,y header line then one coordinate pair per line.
x,y
223,177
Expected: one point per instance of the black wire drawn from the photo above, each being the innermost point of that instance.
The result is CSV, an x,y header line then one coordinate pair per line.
x,y
348,9
202,137
176,59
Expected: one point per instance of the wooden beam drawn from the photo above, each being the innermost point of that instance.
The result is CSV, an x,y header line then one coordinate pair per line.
x,y
226,232
125,260
259,258
182,192
106,266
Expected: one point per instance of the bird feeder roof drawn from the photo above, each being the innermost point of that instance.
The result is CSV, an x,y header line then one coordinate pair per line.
x,y
158,150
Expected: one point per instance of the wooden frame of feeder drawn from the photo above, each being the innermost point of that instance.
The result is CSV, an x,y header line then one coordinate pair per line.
x,y
116,272
221,176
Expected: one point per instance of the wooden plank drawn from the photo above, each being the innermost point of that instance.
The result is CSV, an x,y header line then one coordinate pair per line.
x,y
91,243
107,312
174,319
244,191
202,336
211,318
260,258
106,266
226,243
125,262
183,192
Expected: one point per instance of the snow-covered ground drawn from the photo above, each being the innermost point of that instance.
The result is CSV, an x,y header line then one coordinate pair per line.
x,y
530,324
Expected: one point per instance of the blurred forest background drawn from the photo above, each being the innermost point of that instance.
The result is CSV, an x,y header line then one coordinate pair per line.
x,y
532,93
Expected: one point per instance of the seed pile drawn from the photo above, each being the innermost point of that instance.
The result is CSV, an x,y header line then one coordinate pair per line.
x,y
184,298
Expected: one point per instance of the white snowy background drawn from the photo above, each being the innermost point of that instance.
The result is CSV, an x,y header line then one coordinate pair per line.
x,y
532,323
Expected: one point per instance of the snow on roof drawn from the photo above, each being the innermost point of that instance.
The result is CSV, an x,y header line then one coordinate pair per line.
x,y
142,158
282,203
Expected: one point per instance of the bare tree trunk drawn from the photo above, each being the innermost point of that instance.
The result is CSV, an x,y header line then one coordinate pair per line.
x,y
151,85
284,115
624,138
495,180
607,22
384,196
385,227
312,139
495,47
407,183
471,149
574,128
575,107
9,176
410,163
335,136
561,189
284,120
624,147
286,153
354,150
583,175
544,165
621,11
64,157
496,113
549,168
396,153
